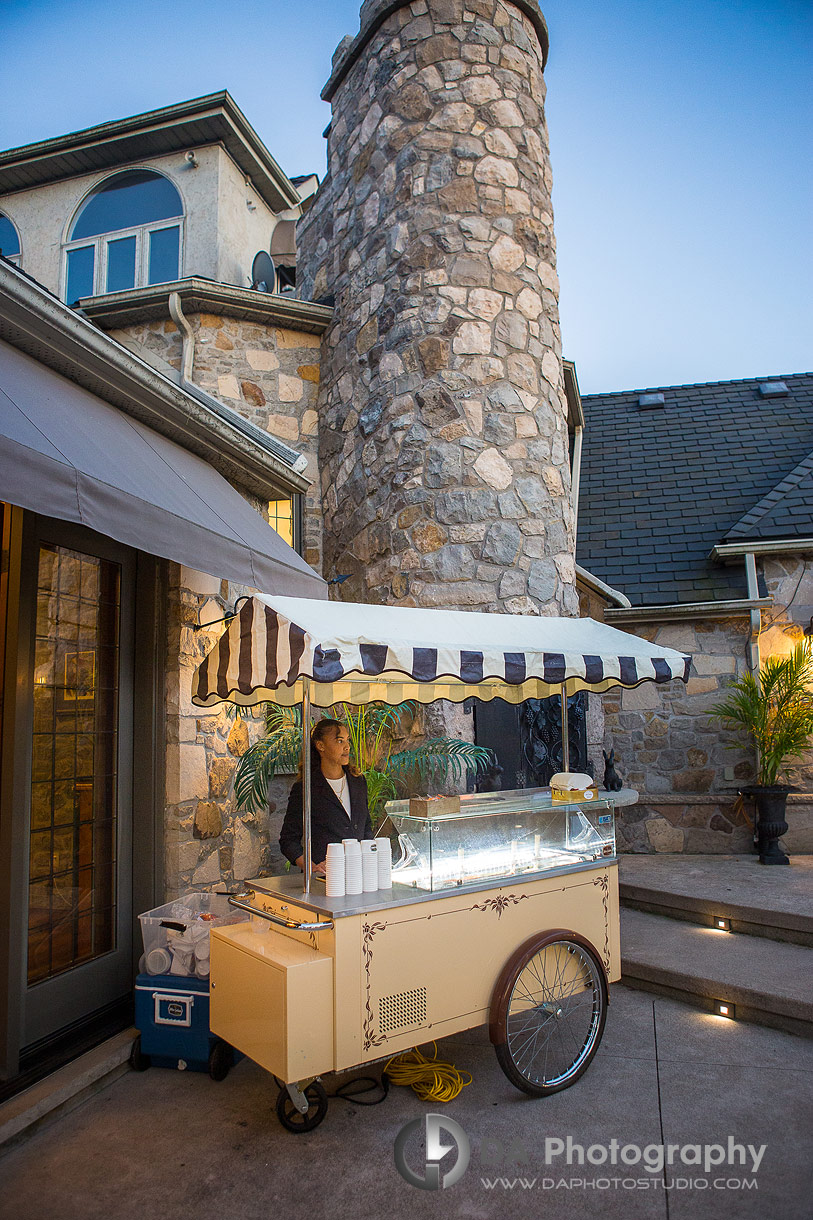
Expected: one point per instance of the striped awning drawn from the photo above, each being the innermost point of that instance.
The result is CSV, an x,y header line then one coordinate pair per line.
x,y
359,654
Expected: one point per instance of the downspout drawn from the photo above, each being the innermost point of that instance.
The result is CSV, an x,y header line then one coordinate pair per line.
x,y
187,337
756,617
575,477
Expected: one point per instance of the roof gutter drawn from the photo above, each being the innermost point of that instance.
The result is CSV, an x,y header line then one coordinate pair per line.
x,y
36,322
678,611
785,546
604,590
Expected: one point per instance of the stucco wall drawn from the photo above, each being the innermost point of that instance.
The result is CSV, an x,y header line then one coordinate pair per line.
x,y
226,222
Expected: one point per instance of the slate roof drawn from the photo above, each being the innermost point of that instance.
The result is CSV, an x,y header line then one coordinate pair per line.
x,y
660,487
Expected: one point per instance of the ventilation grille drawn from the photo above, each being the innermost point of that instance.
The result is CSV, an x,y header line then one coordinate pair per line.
x,y
405,1008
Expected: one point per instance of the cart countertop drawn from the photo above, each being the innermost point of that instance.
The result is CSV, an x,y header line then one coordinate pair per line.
x,y
290,889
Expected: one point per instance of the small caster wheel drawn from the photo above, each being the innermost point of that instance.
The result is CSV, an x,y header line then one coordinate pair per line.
x,y
139,1062
293,1119
221,1058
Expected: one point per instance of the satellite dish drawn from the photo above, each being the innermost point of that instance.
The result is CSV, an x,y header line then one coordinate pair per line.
x,y
263,272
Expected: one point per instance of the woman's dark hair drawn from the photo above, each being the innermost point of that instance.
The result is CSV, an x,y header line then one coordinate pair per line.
x,y
318,733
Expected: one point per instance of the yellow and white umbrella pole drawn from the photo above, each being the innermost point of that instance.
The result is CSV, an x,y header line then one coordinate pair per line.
x,y
565,731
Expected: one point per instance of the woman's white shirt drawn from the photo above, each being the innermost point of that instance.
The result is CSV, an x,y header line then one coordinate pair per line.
x,y
342,790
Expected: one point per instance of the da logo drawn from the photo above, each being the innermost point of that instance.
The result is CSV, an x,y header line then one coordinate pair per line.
x,y
436,1150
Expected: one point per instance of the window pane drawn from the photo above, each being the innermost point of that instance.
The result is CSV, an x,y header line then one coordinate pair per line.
x,y
136,197
280,518
121,256
9,241
80,274
72,844
164,245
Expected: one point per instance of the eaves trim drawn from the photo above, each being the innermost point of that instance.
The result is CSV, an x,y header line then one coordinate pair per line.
x,y
199,295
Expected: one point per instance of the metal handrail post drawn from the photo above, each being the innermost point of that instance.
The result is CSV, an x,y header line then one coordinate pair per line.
x,y
306,781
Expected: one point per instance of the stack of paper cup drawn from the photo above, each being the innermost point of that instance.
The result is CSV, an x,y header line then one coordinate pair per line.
x,y
352,867
369,865
384,854
335,887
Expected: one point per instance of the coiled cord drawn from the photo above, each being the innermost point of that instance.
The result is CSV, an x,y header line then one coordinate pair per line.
x,y
430,1079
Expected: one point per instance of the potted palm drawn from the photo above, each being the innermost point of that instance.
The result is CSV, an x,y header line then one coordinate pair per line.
x,y
374,730
775,708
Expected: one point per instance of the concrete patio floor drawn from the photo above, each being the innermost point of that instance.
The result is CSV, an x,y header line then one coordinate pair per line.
x,y
174,1144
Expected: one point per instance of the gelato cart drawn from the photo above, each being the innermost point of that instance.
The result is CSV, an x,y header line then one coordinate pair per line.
x,y
503,908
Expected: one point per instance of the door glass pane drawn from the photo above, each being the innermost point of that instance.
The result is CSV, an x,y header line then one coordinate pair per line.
x,y
164,245
121,256
80,274
72,854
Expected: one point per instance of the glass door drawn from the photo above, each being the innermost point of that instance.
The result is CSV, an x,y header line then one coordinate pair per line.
x,y
79,894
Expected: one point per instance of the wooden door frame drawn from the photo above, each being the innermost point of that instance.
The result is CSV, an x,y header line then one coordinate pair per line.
x,y
148,744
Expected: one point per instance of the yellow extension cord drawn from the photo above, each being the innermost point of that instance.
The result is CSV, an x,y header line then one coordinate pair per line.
x,y
430,1079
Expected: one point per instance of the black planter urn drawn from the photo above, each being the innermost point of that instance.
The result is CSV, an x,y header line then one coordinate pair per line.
x,y
771,803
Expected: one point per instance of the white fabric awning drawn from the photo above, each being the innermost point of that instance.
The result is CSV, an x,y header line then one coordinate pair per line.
x,y
68,454
362,654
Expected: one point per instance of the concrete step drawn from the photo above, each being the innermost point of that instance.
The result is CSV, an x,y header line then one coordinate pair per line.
x,y
771,902
64,1089
767,982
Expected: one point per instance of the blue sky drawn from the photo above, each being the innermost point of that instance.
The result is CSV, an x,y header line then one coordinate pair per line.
x,y
680,140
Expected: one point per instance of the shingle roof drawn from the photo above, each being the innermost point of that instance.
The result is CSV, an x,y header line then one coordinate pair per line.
x,y
660,487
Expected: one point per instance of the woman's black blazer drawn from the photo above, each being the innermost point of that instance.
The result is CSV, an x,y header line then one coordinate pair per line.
x,y
329,820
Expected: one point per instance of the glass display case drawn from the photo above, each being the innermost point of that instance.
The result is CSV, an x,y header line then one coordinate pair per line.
x,y
494,834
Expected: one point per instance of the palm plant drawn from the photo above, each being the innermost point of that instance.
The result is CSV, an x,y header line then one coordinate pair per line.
x,y
373,730
775,708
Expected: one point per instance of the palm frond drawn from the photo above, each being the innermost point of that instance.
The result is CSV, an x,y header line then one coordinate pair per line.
x,y
439,758
775,709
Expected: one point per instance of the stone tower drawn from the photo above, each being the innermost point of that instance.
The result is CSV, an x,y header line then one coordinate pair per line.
x,y
443,421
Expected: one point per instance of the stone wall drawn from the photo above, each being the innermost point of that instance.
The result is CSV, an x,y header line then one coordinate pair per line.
x,y
269,375
443,434
687,766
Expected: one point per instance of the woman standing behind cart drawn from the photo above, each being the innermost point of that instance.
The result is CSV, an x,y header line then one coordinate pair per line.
x,y
338,799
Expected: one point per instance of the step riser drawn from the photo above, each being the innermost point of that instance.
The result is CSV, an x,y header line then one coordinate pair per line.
x,y
705,919
744,1012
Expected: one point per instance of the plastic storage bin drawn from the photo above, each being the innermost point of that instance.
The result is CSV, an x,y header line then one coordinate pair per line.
x,y
176,935
172,1016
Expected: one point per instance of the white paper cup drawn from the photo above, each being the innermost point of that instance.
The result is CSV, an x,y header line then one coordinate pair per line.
x,y
369,865
158,961
384,864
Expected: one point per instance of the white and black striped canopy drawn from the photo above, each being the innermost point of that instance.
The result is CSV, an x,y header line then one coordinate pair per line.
x,y
362,654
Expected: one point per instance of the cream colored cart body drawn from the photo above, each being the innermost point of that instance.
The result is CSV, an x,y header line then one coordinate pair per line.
x,y
336,983
507,915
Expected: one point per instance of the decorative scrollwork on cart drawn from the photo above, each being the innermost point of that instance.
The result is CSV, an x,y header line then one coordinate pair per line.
x,y
498,904
604,882
369,931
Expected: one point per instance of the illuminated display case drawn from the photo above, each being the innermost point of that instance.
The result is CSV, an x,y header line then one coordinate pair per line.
x,y
496,834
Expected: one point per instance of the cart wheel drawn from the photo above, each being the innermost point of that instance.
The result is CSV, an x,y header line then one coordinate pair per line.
x,y
292,1119
548,1012
139,1062
221,1058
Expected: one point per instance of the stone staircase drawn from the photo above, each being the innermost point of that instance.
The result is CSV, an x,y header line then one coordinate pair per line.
x,y
761,962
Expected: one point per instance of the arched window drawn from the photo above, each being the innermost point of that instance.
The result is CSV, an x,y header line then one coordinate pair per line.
x,y
120,238
9,241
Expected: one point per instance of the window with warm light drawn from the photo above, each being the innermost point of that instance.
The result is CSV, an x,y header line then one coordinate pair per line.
x,y
281,518
121,237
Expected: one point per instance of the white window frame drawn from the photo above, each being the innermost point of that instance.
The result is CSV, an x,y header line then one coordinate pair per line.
x,y
142,258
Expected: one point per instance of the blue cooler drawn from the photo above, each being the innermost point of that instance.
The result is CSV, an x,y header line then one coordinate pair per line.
x,y
172,1014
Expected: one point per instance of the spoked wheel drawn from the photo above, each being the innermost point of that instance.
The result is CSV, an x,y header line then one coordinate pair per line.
x,y
548,1012
293,1119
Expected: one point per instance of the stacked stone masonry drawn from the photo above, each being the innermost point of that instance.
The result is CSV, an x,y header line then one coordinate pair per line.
x,y
443,433
268,374
686,766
